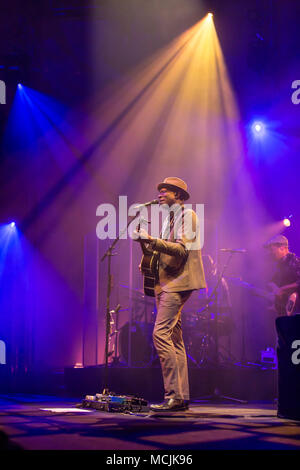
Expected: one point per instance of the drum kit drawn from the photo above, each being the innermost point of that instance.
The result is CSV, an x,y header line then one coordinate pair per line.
x,y
200,329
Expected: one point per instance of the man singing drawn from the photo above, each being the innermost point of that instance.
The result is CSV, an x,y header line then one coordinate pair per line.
x,y
180,271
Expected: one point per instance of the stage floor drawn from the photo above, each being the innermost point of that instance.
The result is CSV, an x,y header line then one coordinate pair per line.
x,y
36,422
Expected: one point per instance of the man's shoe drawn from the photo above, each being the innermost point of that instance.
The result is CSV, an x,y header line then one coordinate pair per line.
x,y
186,404
173,404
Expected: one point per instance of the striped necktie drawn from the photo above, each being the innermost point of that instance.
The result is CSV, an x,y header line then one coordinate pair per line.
x,y
168,225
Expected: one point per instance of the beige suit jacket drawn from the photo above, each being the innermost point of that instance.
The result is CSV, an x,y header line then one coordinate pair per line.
x,y
180,262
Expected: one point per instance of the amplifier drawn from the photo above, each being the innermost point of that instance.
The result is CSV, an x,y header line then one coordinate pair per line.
x,y
288,354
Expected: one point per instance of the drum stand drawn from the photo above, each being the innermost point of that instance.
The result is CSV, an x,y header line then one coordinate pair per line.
x,y
190,352
192,360
217,395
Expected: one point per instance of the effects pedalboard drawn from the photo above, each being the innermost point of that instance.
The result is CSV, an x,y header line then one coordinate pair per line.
x,y
115,403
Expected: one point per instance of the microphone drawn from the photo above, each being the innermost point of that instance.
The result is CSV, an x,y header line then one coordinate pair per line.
x,y
229,250
146,204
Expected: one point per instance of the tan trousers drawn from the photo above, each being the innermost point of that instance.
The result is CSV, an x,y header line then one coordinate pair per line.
x,y
168,341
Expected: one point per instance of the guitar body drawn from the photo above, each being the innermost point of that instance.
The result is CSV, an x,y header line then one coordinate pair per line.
x,y
149,269
291,303
284,305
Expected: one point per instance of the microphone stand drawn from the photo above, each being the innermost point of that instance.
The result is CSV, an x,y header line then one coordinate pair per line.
x,y
217,396
108,254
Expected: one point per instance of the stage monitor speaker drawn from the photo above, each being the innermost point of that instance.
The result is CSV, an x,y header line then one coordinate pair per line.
x,y
288,353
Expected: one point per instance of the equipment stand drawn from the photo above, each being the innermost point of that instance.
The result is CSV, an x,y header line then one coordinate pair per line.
x,y
109,254
217,395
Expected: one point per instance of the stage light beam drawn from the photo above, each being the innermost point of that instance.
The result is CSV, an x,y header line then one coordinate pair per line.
x,y
186,82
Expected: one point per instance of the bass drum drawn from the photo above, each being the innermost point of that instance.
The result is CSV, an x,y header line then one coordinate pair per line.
x,y
142,351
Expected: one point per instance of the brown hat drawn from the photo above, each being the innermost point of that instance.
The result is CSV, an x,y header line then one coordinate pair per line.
x,y
175,184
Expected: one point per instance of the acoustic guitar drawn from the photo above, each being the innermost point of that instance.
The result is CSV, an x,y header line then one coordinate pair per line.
x,y
149,268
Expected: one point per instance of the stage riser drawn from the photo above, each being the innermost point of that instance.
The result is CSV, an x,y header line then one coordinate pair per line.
x,y
243,383
47,382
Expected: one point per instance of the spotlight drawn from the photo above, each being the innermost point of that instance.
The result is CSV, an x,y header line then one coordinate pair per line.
x,y
210,15
12,224
287,221
258,128
19,85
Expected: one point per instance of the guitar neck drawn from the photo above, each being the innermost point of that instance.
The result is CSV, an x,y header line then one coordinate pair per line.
x,y
257,291
147,250
262,293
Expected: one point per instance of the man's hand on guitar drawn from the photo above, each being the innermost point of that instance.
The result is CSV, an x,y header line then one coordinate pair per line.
x,y
142,235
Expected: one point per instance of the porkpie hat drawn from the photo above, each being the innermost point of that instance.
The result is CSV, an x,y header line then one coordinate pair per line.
x,y
174,184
